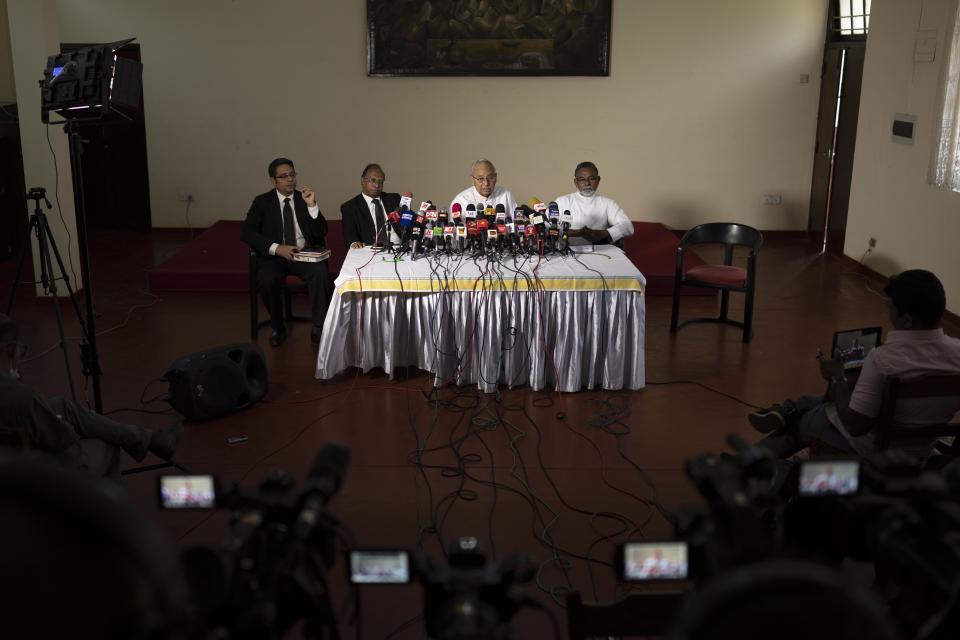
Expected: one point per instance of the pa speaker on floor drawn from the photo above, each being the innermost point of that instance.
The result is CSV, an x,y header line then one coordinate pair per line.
x,y
214,382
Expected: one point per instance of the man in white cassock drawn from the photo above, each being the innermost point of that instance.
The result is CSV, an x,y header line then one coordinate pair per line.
x,y
484,191
596,219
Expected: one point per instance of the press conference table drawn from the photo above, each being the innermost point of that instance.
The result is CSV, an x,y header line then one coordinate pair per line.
x,y
557,322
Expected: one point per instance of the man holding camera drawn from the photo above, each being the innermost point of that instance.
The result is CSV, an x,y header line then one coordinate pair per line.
x,y
845,417
66,428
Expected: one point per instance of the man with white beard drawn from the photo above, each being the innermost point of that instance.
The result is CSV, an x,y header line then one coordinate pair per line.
x,y
596,219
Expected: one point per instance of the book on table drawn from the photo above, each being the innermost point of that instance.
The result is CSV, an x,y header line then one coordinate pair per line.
x,y
312,254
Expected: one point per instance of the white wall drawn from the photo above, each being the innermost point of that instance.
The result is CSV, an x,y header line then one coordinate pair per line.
x,y
702,114
8,92
916,225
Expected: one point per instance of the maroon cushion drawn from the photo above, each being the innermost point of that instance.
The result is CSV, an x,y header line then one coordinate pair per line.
x,y
717,274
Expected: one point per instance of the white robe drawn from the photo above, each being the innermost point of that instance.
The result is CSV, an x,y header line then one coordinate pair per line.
x,y
500,195
595,212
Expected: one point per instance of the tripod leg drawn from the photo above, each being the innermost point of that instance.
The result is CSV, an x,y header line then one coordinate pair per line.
x,y
63,272
46,268
23,256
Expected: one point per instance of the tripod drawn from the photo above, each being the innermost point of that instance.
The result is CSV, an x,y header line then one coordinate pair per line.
x,y
46,243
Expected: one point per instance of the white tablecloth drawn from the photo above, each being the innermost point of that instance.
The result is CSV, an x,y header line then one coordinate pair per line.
x,y
563,322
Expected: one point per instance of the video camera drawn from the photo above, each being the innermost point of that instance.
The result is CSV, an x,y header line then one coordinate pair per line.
x,y
891,513
464,597
270,574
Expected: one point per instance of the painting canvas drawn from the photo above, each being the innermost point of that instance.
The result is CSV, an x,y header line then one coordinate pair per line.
x,y
488,37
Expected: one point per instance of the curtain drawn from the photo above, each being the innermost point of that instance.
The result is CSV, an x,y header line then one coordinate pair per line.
x,y
945,167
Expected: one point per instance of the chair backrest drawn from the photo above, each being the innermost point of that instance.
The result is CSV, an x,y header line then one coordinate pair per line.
x,y
727,233
638,614
930,386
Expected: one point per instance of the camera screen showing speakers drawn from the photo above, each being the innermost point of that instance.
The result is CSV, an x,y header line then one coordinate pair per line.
x,y
187,492
824,478
379,567
642,561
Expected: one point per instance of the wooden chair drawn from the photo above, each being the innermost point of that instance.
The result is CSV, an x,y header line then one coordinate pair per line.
x,y
291,283
724,277
638,614
930,386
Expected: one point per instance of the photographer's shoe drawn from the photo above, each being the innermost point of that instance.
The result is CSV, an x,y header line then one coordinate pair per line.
x,y
163,443
277,337
766,420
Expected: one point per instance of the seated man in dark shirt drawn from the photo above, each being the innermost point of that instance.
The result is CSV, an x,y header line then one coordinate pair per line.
x,y
66,428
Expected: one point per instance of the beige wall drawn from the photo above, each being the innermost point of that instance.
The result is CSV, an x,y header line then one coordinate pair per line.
x,y
8,92
916,225
703,113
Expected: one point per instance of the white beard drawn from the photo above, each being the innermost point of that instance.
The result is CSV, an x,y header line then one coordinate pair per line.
x,y
588,193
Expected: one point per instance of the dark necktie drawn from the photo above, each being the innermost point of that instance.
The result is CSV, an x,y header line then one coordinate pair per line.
x,y
289,234
380,236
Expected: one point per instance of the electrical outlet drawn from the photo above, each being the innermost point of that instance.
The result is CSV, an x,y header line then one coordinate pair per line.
x,y
772,199
872,242
183,196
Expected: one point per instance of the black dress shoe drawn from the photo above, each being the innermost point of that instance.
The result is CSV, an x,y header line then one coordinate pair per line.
x,y
277,338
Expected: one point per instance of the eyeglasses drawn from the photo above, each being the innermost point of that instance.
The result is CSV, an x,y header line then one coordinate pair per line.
x,y
490,178
285,176
587,179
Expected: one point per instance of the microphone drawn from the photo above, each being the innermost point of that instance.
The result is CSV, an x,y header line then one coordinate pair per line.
x,y
531,232
461,237
501,213
483,225
554,235
473,233
455,212
492,239
416,233
393,223
406,200
448,232
406,222
566,221
511,233
437,236
501,233
432,232
554,212
490,213
442,216
324,480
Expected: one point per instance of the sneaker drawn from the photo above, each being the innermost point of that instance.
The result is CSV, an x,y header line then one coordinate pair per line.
x,y
163,443
766,420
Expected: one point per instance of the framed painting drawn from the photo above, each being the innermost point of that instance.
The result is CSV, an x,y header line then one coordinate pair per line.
x,y
488,37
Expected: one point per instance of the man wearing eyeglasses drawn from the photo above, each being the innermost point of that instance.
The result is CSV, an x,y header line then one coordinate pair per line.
x,y
280,223
484,190
365,216
596,219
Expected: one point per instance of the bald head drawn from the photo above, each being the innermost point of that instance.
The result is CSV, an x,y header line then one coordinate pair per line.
x,y
484,176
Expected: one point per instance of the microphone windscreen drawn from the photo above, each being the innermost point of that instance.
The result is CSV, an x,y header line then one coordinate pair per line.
x,y
534,201
456,208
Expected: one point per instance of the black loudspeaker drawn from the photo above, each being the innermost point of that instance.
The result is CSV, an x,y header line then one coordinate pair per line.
x,y
214,382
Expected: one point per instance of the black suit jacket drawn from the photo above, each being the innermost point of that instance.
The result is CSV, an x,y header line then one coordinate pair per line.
x,y
264,223
356,221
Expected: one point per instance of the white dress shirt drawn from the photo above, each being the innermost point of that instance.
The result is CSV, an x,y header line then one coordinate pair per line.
x,y
394,238
314,211
500,195
595,212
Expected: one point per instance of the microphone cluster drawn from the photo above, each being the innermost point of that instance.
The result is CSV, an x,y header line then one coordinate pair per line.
x,y
534,229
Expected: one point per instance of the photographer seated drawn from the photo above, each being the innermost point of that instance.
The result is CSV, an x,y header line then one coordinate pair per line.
x,y
845,417
66,428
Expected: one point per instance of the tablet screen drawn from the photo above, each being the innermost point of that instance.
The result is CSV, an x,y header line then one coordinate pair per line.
x,y
851,347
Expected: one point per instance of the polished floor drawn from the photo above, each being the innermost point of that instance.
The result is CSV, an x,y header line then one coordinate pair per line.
x,y
560,477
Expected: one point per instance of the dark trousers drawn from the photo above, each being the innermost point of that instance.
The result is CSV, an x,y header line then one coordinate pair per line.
x,y
100,437
805,421
271,272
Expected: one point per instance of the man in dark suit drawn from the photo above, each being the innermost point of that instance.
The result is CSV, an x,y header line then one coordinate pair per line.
x,y
280,223
366,214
